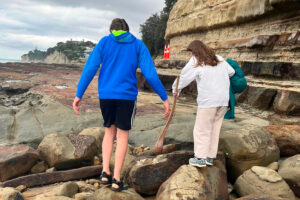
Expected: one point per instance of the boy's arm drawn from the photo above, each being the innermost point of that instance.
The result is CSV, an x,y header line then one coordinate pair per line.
x,y
149,71
187,75
90,69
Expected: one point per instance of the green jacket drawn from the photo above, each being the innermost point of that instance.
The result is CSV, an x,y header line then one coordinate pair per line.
x,y
238,84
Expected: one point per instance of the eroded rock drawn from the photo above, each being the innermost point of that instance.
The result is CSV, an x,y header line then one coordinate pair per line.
x,y
67,151
290,171
148,173
9,193
16,160
262,181
190,182
247,147
105,193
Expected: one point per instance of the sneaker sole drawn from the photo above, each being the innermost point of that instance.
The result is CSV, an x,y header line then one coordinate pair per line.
x,y
197,165
209,164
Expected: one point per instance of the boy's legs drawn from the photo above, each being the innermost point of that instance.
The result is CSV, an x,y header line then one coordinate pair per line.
x,y
107,146
202,131
217,124
122,143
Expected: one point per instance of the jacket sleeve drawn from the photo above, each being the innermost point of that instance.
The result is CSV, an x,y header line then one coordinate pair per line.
x,y
187,75
90,69
148,69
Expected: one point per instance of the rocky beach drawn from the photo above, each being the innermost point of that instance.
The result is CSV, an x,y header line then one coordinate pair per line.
x,y
47,152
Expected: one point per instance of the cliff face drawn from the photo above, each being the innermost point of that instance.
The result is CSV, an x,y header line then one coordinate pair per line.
x,y
55,58
262,35
245,30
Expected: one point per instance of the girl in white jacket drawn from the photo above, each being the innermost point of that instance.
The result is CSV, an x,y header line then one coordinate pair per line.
x,y
212,74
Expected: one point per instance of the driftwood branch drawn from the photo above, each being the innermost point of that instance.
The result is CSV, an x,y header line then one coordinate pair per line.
x,y
45,178
160,142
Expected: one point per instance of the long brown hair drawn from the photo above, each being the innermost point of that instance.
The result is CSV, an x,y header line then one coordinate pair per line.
x,y
119,24
204,54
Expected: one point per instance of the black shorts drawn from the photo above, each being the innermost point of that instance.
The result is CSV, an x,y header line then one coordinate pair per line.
x,y
117,112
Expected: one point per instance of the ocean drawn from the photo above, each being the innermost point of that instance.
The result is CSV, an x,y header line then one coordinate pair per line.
x,y
2,60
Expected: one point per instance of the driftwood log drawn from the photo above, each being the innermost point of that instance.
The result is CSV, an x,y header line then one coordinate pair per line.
x,y
45,178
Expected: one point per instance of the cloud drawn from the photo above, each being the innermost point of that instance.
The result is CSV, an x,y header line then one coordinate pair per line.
x,y
26,24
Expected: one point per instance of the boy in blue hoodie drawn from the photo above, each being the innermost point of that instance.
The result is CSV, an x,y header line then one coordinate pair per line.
x,y
119,55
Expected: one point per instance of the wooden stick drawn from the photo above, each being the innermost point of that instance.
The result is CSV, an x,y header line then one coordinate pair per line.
x,y
45,178
160,142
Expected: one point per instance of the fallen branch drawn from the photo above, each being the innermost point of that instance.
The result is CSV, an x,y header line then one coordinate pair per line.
x,y
46,178
160,142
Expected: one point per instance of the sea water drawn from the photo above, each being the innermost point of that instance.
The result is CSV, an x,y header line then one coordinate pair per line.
x,y
2,60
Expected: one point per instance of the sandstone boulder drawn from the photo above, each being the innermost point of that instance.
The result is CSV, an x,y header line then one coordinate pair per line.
x,y
290,171
16,160
83,196
43,197
262,181
68,189
105,193
260,98
148,173
261,197
287,138
96,132
39,167
66,151
9,193
274,166
85,187
287,102
190,182
247,147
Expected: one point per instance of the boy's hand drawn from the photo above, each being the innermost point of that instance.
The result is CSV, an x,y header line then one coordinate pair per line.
x,y
167,108
76,105
175,94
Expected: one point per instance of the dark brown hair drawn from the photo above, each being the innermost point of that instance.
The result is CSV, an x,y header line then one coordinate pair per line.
x,y
118,24
204,54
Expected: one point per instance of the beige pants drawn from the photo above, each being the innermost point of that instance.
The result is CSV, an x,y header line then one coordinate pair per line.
x,y
207,131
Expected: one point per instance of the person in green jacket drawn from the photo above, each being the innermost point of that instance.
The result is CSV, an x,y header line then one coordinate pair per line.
x,y
238,84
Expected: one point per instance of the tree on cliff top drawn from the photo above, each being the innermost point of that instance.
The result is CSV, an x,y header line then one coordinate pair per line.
x,y
153,30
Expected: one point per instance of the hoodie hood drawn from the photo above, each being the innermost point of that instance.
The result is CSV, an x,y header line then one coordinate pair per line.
x,y
124,38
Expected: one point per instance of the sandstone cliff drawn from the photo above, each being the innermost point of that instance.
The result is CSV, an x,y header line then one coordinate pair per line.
x,y
262,35
248,30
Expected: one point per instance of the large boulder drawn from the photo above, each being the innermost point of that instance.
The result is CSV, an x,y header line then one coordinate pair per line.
x,y
68,189
105,193
66,151
261,197
247,147
9,193
287,138
39,167
147,174
260,97
16,160
190,182
287,102
39,116
290,171
262,181
96,132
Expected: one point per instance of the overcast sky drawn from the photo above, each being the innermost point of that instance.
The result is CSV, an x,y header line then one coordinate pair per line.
x,y
26,24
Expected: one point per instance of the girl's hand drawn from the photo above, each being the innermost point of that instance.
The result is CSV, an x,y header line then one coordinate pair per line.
x,y
76,105
175,94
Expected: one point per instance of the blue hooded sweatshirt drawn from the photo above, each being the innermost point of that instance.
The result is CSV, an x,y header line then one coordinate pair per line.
x,y
119,58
